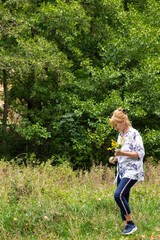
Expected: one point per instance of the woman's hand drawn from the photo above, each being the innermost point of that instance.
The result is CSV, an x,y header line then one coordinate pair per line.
x,y
113,160
118,152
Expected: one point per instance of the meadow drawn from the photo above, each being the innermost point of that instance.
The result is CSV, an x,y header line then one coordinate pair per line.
x,y
46,202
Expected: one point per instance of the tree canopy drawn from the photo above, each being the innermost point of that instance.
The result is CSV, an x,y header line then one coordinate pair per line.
x,y
66,65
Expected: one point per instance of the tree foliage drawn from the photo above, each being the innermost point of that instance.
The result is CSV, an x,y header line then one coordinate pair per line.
x,y
69,64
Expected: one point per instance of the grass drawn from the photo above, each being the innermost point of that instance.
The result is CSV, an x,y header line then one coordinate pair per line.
x,y
45,202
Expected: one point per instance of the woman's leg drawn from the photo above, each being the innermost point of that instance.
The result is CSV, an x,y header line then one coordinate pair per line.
x,y
127,199
124,216
121,196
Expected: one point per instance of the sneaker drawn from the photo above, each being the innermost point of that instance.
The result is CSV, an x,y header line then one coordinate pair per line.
x,y
129,229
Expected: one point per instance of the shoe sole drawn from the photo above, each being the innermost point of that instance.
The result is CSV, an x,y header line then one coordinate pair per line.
x,y
133,230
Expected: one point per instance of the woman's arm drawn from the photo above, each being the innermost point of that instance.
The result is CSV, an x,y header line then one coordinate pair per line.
x,y
127,154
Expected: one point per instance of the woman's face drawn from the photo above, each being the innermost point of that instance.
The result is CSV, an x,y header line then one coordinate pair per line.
x,y
120,126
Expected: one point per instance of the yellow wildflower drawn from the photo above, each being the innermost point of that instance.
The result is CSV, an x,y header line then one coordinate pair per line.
x,y
114,144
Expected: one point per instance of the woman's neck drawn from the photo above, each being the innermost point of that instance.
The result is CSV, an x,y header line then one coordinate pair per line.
x,y
125,130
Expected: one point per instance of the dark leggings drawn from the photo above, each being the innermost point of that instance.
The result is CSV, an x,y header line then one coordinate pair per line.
x,y
121,195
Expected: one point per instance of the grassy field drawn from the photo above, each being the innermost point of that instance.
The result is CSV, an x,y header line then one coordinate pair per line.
x,y
45,202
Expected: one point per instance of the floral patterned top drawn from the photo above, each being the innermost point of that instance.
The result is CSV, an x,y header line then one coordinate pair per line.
x,y
131,167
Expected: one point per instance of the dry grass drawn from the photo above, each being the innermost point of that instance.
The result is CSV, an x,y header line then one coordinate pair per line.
x,y
45,202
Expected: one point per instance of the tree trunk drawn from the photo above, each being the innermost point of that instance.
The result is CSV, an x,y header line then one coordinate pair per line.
x,y
125,5
5,110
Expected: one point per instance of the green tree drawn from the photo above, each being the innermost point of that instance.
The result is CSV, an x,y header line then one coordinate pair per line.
x,y
70,63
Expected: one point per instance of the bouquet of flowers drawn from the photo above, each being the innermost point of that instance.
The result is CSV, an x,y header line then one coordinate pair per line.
x,y
115,145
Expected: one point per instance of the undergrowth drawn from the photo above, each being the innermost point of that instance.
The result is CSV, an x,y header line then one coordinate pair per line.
x,y
46,202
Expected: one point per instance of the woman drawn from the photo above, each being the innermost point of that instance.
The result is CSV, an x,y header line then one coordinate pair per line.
x,y
129,167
